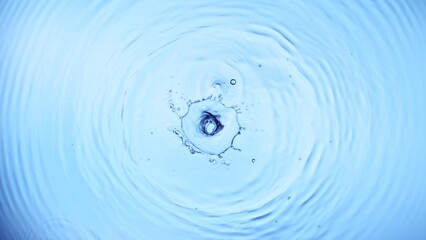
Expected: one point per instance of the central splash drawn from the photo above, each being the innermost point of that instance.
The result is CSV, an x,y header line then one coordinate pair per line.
x,y
208,126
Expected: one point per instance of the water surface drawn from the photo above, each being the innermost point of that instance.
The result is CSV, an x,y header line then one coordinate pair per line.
x,y
207,120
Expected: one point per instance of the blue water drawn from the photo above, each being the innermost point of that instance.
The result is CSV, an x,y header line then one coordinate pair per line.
x,y
213,120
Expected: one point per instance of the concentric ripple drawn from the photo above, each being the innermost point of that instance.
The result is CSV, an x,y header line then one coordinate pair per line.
x,y
208,120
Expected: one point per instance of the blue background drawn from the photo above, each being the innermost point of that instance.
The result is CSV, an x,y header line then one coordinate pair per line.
x,y
330,98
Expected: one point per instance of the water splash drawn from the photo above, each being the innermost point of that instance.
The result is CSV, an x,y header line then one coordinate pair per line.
x,y
208,126
328,98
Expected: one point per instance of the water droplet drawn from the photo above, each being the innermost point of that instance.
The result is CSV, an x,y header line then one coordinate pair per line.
x,y
253,160
233,81
213,162
226,162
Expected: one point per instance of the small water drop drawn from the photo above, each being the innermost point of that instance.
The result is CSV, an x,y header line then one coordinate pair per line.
x,y
226,162
233,81
253,160
212,161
